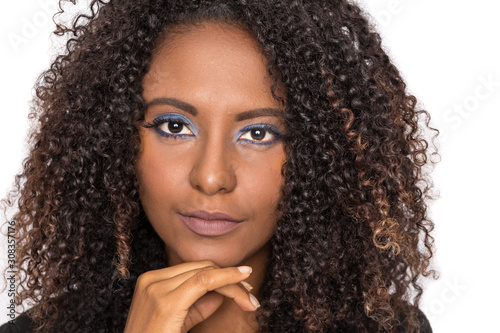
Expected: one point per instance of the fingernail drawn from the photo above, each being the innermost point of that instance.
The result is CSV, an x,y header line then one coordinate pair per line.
x,y
245,269
247,285
254,301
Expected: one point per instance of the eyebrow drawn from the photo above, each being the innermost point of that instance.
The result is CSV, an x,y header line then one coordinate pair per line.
x,y
254,113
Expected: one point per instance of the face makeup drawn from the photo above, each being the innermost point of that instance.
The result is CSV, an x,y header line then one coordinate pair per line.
x,y
209,169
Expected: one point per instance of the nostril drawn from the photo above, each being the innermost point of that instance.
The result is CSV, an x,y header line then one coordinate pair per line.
x,y
211,183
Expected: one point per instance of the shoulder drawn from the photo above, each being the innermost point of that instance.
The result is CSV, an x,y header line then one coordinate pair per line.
x,y
22,324
424,322
425,326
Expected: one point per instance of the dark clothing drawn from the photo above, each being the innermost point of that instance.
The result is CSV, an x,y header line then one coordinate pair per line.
x,y
24,324
425,326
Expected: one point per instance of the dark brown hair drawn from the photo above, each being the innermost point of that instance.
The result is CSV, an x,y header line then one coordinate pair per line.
x,y
354,237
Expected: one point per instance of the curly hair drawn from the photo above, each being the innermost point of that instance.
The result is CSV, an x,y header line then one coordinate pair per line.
x,y
353,210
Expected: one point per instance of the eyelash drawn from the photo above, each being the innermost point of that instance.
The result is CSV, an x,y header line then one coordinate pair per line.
x,y
158,121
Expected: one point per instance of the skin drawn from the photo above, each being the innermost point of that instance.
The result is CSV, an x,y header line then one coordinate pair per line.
x,y
220,71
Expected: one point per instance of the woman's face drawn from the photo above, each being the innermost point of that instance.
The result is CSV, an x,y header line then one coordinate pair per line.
x,y
211,143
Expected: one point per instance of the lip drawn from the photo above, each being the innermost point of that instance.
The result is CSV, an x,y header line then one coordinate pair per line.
x,y
204,223
203,214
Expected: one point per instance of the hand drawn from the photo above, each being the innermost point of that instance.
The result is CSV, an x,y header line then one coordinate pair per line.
x,y
174,299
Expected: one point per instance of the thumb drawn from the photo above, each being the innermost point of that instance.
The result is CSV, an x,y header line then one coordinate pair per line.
x,y
203,308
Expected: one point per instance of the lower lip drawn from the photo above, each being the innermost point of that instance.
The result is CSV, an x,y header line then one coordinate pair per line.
x,y
209,228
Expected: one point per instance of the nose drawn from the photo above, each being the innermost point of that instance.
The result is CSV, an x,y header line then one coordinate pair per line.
x,y
213,169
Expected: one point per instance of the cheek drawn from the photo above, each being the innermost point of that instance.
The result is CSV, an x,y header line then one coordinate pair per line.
x,y
273,173
157,175
265,185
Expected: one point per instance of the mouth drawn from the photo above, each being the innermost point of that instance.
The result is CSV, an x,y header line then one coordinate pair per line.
x,y
217,216
203,223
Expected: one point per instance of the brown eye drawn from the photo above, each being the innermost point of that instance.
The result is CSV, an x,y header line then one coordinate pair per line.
x,y
261,134
171,126
258,134
174,127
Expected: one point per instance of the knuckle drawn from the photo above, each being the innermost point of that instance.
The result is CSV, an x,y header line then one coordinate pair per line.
x,y
207,268
208,263
143,280
203,279
157,299
150,292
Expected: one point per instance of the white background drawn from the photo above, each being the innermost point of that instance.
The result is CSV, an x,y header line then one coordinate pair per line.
x,y
448,52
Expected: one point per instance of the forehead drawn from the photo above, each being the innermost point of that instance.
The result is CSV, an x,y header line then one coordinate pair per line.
x,y
211,61
197,49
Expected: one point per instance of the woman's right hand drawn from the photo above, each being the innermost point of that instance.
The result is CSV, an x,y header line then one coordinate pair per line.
x,y
174,299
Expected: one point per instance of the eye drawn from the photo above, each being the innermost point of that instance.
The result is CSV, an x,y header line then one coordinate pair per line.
x,y
175,127
170,126
261,134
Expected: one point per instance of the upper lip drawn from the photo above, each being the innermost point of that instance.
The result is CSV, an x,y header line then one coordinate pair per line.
x,y
203,214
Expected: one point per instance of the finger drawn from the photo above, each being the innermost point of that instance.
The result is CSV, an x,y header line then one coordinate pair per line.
x,y
169,284
243,298
238,291
222,280
203,308
187,266
245,285
157,275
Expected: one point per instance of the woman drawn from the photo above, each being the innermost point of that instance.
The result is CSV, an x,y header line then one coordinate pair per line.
x,y
224,166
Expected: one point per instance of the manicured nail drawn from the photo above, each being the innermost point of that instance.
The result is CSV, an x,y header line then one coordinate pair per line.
x,y
245,269
254,301
247,285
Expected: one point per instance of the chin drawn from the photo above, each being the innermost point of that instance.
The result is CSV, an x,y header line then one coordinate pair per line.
x,y
221,257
